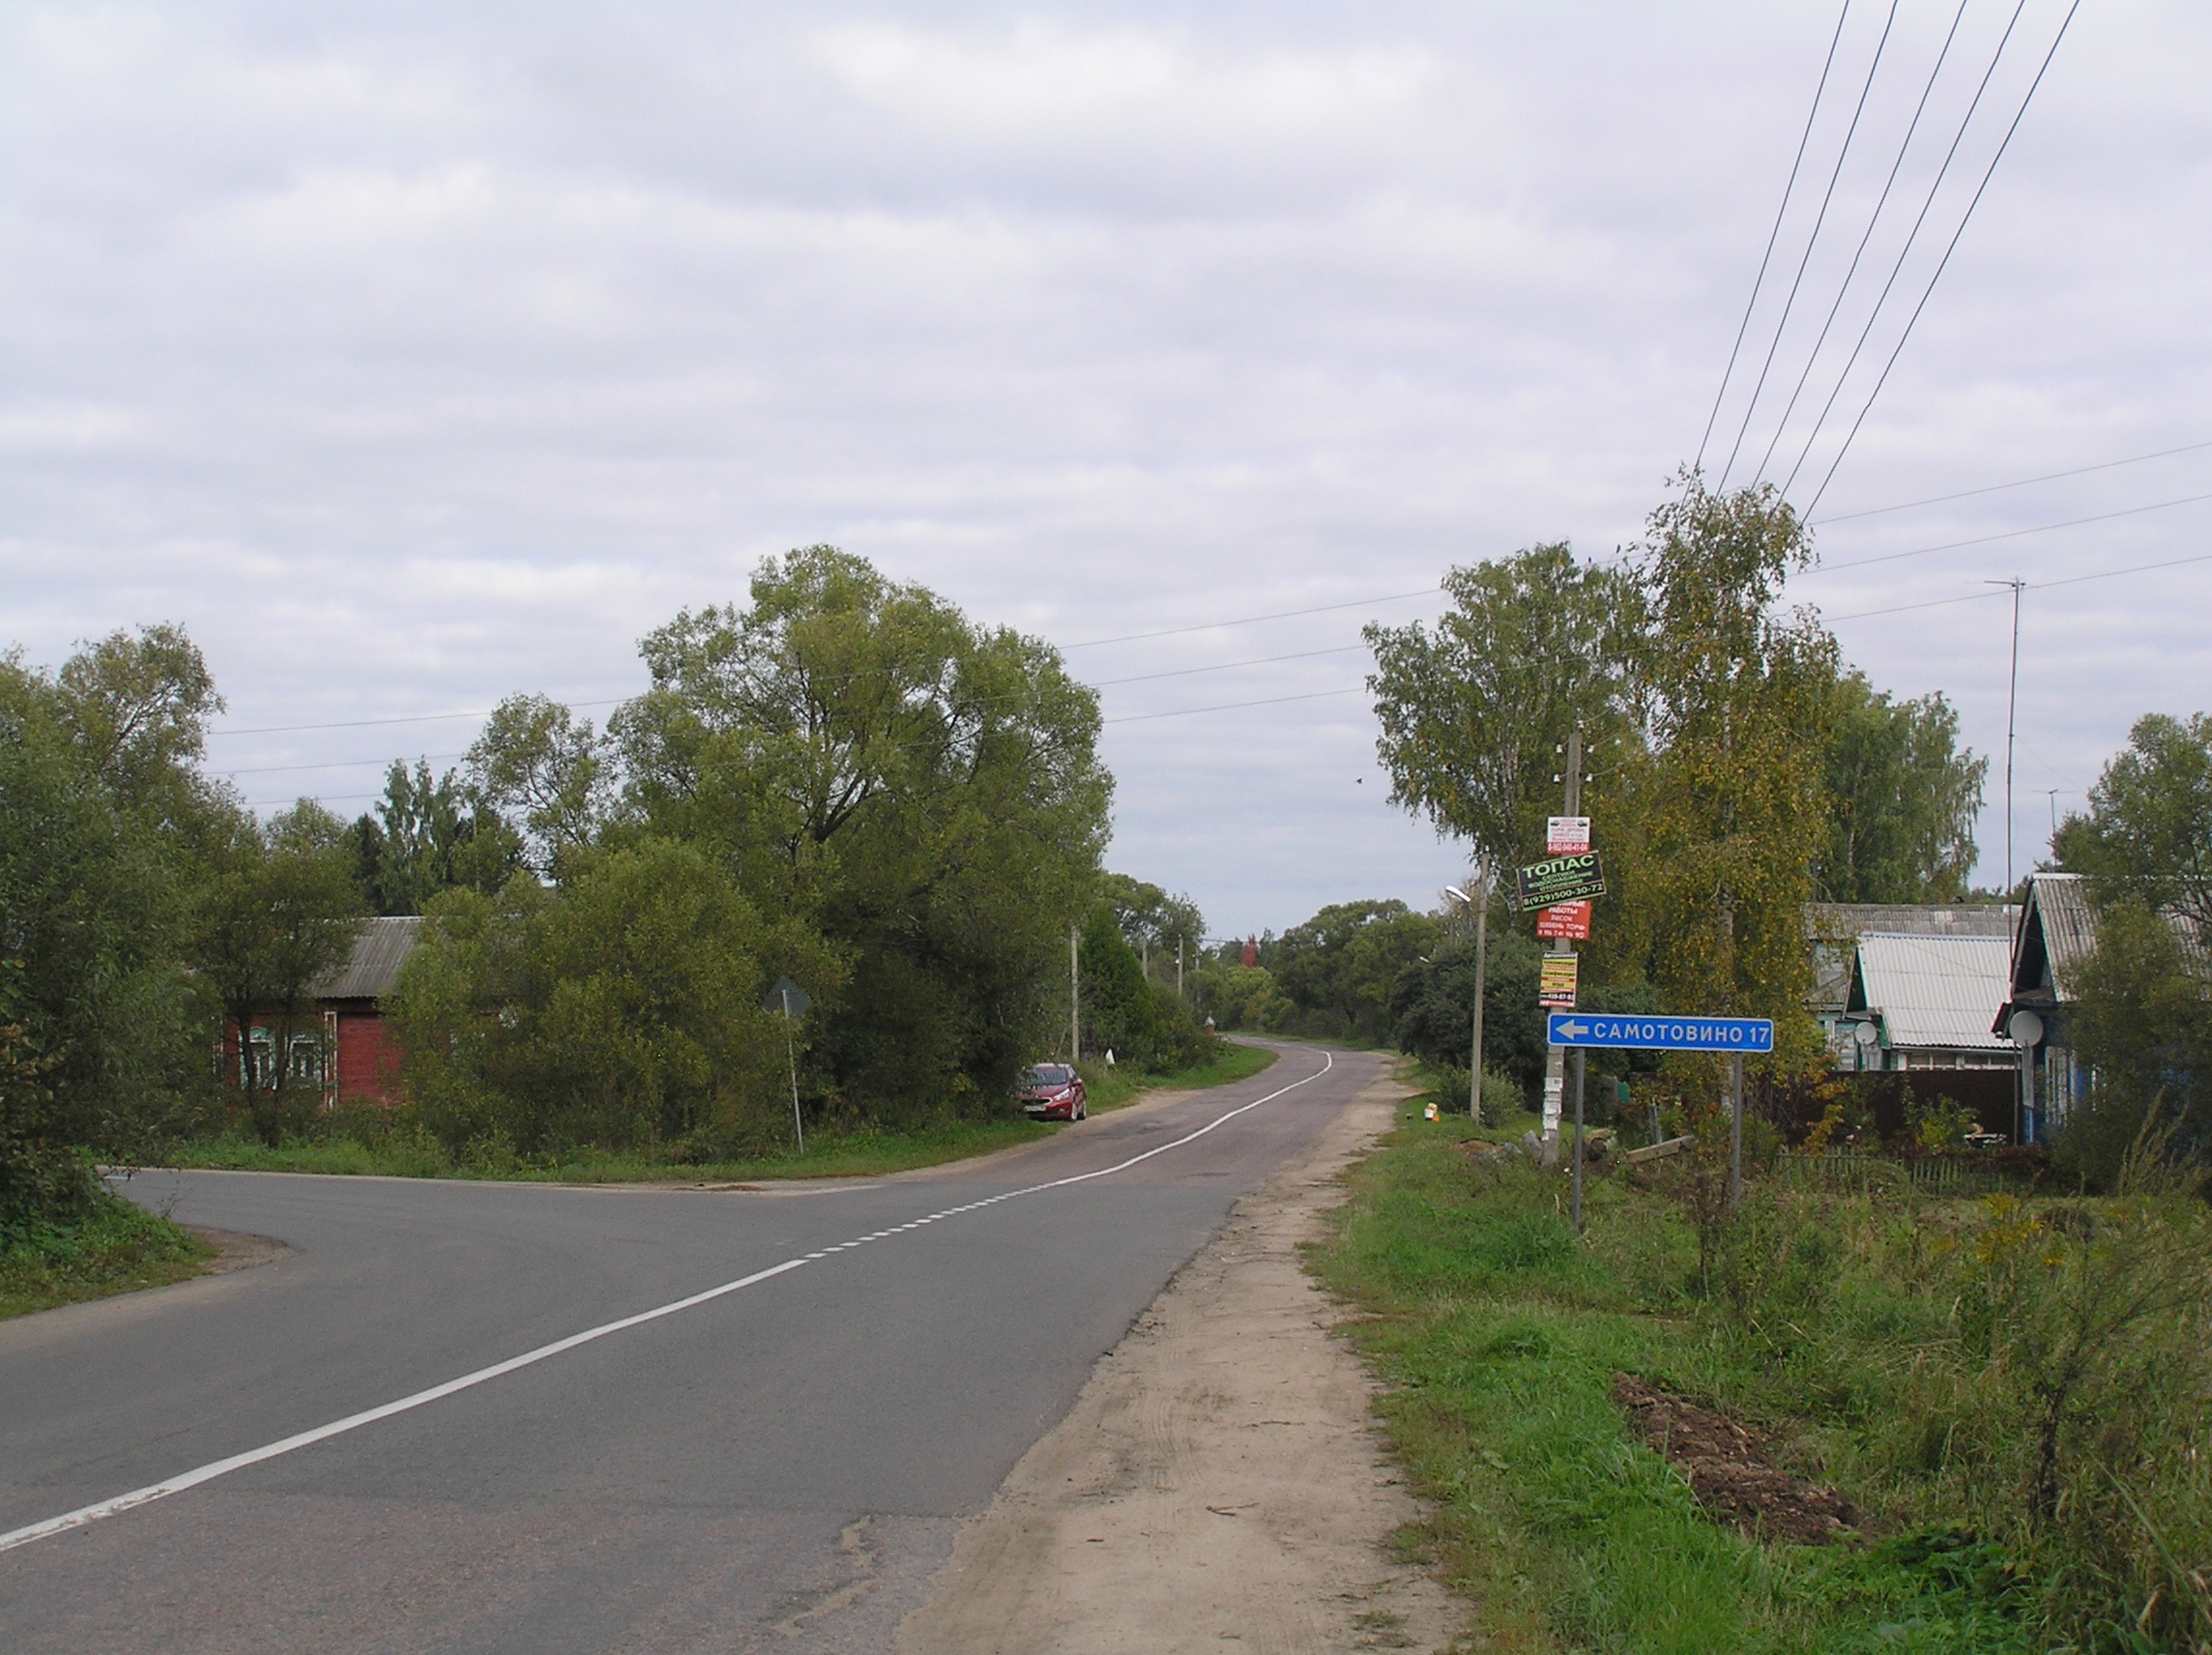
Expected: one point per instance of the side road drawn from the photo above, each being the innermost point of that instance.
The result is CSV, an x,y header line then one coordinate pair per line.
x,y
1218,1480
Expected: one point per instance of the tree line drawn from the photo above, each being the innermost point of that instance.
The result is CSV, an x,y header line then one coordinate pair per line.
x,y
843,781
1736,769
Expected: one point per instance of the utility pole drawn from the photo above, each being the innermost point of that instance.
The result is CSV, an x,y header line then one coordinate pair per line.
x,y
1555,1058
1178,968
1074,996
1481,969
2012,709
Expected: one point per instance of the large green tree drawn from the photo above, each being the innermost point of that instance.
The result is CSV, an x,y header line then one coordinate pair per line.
x,y
1477,707
104,818
426,834
278,914
1731,808
1151,921
1901,797
1340,967
623,1009
2146,836
924,792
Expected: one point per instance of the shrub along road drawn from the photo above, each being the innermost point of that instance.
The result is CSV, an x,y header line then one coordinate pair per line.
x,y
783,1465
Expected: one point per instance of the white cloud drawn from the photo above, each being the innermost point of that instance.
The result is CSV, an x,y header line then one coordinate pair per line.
x,y
416,357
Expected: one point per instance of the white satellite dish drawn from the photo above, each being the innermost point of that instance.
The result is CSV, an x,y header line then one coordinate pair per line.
x,y
2025,1029
1867,1034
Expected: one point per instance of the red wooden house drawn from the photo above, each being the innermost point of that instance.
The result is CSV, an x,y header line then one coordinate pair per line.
x,y
345,1047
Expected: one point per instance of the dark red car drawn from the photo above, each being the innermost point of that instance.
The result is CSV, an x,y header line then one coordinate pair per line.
x,y
1052,1091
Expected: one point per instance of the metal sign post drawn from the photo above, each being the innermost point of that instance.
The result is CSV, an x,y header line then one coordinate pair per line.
x,y
1564,879
791,1001
1735,1131
1581,1064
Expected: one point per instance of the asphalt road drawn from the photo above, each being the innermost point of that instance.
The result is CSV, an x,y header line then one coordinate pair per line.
x,y
779,1468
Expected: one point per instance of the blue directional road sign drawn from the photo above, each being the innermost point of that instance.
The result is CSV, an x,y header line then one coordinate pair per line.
x,y
1660,1033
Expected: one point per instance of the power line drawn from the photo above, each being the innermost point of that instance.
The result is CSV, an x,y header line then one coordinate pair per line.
x,y
1780,212
1087,643
1232,706
1945,261
2007,535
1103,683
1873,219
2032,586
1820,218
2000,488
1252,619
1912,236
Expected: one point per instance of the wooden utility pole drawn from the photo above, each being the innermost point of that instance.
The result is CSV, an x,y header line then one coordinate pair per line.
x,y
1555,1058
1074,996
1481,969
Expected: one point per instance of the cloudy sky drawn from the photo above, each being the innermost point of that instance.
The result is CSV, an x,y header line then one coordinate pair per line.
x,y
415,355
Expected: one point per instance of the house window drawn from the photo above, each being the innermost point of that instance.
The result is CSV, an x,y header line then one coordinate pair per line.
x,y
257,1062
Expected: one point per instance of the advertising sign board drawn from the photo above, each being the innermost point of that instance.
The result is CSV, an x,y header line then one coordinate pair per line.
x,y
1566,835
1555,979
1568,920
1562,878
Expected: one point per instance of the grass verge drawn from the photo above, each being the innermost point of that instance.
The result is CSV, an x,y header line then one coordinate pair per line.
x,y
383,1145
115,1248
1892,1350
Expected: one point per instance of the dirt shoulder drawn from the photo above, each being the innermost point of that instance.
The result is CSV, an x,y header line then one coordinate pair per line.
x,y
1219,1479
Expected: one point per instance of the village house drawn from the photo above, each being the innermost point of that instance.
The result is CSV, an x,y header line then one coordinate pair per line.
x,y
345,1048
1832,932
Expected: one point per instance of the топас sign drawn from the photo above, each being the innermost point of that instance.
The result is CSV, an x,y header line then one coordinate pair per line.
x,y
1562,878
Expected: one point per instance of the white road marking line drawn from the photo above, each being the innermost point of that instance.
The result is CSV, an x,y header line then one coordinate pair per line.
x,y
90,1514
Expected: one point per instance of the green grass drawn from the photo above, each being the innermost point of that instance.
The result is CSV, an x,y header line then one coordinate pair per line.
x,y
376,1145
1118,1087
1834,1324
116,1248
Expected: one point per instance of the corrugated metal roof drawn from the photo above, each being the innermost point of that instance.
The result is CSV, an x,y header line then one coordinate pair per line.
x,y
1939,992
378,953
2061,901
1832,927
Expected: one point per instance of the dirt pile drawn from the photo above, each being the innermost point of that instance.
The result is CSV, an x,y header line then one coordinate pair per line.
x,y
1728,1470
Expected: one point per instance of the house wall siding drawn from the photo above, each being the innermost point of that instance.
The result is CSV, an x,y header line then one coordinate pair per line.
x,y
368,1056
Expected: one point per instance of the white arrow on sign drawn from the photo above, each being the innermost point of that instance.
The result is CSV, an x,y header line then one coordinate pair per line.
x,y
1573,1030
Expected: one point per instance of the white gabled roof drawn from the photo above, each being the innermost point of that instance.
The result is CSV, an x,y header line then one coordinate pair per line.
x,y
1939,992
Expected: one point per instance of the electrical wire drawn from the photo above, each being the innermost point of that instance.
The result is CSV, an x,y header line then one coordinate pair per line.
x,y
1091,643
2000,488
1780,212
1944,262
1810,242
1904,252
2031,586
1873,219
1103,683
2007,535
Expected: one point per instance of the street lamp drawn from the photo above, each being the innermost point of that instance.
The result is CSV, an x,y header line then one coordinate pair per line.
x,y
1481,961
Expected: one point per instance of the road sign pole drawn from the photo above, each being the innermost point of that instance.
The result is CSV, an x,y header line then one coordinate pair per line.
x,y
791,1053
1555,1059
1581,1070
1735,1131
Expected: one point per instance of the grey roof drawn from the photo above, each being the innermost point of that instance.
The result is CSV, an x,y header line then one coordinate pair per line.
x,y
1832,927
1935,992
378,953
2060,934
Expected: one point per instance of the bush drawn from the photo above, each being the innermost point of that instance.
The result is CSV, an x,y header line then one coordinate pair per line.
x,y
622,1011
